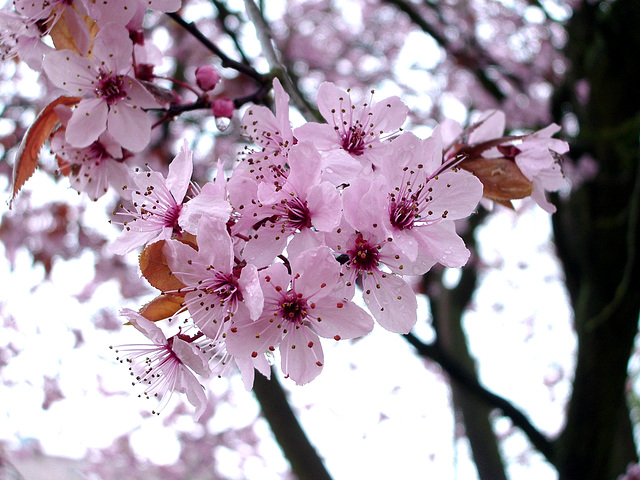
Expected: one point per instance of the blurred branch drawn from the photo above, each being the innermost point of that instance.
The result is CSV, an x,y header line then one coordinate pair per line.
x,y
223,14
469,382
266,41
226,61
302,456
462,57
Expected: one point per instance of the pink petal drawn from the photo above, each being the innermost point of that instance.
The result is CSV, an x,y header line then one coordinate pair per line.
x,y
443,243
88,121
318,273
325,206
113,46
189,384
180,171
392,302
301,354
249,284
70,71
191,357
130,126
333,317
389,114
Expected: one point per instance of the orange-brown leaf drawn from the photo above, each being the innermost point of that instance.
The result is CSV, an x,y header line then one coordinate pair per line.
x,y
155,269
63,38
36,136
502,179
161,307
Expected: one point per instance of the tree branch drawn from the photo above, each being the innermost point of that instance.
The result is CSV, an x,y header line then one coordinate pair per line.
x,y
469,382
226,61
302,456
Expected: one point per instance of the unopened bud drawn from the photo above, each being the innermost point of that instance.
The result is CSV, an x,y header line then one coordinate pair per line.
x,y
207,77
223,107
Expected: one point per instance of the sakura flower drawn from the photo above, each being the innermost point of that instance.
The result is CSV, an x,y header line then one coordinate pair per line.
x,y
351,138
303,206
424,197
369,255
166,365
116,99
538,159
158,205
20,37
272,133
514,167
215,286
299,307
92,169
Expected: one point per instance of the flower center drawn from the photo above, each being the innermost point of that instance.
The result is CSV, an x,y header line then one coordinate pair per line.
x,y
403,213
298,215
364,256
111,87
293,309
353,140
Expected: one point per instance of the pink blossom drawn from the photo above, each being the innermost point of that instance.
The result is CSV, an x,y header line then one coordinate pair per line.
x,y
215,286
20,37
351,138
424,198
92,169
117,99
372,258
303,206
538,158
297,308
272,133
158,204
166,365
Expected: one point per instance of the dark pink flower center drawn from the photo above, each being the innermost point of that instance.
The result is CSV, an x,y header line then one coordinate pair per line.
x,y
171,217
298,215
403,213
364,256
353,140
225,287
111,87
293,309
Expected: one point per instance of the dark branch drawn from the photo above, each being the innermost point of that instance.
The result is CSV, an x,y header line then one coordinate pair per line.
x,y
226,61
302,456
468,381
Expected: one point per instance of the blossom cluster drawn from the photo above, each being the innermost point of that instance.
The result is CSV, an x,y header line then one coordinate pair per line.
x,y
277,257
314,235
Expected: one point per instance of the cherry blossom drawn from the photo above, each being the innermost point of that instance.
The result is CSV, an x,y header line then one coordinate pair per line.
x,y
165,365
117,99
158,205
351,140
297,308
302,206
92,169
375,260
424,198
271,132
215,286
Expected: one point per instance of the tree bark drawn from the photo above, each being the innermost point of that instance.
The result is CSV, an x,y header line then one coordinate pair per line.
x,y
596,233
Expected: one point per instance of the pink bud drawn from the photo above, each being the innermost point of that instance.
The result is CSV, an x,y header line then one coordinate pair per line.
x,y
223,107
207,77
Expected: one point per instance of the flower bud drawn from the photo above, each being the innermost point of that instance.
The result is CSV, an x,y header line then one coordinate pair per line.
x,y
223,107
207,77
